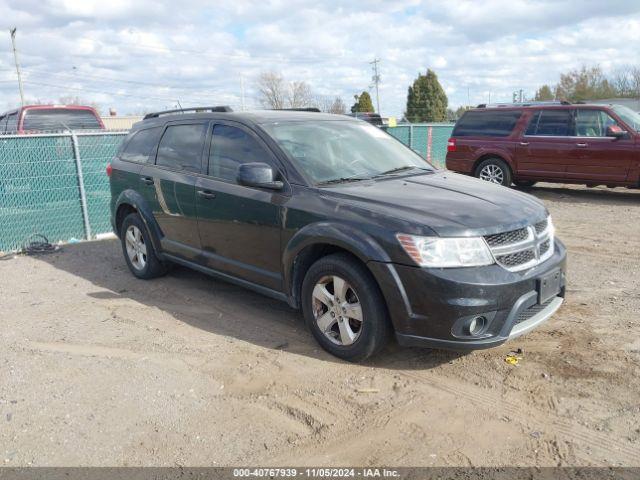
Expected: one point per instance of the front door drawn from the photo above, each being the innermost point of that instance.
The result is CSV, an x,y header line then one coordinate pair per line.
x,y
600,158
545,149
239,226
169,186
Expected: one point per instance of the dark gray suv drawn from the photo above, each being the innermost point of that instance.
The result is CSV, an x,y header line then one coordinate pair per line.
x,y
336,217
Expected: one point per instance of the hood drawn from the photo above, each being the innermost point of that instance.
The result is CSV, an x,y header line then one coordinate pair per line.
x,y
446,202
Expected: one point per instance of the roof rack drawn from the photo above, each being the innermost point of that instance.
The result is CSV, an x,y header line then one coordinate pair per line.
x,y
301,109
523,104
222,108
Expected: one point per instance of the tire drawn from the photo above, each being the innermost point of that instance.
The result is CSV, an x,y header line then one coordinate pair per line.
x,y
524,183
138,249
494,170
360,293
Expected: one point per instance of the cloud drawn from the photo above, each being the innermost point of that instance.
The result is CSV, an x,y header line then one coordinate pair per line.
x,y
148,55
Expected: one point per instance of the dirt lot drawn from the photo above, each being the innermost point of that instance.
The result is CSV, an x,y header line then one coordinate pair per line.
x,y
98,368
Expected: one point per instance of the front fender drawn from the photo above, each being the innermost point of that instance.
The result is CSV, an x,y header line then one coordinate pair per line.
x,y
358,243
137,201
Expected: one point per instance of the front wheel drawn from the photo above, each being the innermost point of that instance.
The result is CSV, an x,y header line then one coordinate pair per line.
x,y
344,308
494,170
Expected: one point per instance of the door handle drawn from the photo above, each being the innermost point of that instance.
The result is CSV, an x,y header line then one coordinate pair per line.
x,y
582,145
524,144
208,194
146,180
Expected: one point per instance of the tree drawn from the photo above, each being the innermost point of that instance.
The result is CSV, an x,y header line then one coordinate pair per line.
x,y
299,95
544,93
363,103
337,106
426,100
587,83
273,91
277,94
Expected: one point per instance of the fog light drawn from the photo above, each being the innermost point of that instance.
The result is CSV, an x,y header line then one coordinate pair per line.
x,y
476,325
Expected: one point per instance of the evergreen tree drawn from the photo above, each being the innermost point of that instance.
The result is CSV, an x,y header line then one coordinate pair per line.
x,y
426,100
363,103
544,93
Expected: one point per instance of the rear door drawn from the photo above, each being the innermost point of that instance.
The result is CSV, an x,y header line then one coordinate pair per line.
x,y
169,186
599,158
240,226
546,148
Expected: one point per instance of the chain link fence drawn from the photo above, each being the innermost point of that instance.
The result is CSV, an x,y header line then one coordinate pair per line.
x,y
428,139
54,185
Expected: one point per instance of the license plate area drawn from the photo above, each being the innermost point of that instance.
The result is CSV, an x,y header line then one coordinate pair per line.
x,y
549,286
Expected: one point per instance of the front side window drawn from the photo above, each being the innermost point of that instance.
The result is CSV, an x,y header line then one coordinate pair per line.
x,y
592,123
230,147
330,150
139,148
46,119
487,123
181,147
550,123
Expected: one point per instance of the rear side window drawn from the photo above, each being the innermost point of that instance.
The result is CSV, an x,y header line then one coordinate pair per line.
x,y
488,123
230,147
551,123
181,147
12,123
141,144
60,119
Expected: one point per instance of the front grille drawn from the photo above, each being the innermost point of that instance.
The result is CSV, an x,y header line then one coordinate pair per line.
x,y
522,248
544,247
505,238
541,226
515,259
527,313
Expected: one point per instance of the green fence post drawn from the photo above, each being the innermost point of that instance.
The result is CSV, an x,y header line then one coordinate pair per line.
x,y
83,193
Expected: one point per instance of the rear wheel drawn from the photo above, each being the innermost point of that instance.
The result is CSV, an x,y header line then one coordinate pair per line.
x,y
344,308
524,183
494,170
138,250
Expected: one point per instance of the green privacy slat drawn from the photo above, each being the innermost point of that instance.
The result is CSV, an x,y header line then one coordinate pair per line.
x,y
39,189
429,140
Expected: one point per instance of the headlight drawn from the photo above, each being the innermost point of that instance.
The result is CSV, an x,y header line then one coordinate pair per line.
x,y
437,252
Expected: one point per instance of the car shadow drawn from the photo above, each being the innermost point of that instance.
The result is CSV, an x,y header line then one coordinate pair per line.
x,y
579,194
218,307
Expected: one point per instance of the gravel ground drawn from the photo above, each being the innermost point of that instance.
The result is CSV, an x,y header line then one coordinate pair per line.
x,y
98,368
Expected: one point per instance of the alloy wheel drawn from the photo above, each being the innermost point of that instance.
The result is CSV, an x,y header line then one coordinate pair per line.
x,y
492,173
337,310
136,248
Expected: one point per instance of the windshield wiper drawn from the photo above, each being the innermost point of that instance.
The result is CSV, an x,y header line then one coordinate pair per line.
x,y
342,180
401,169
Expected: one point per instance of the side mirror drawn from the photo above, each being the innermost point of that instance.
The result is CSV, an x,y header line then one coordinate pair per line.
x,y
258,175
615,131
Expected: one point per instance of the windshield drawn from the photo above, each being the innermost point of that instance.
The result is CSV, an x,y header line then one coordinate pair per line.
x,y
629,117
333,151
60,118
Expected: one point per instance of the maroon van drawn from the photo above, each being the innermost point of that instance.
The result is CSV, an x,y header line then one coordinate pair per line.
x,y
49,118
548,141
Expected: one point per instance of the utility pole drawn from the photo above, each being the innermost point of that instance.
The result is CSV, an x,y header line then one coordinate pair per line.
x,y
376,81
15,57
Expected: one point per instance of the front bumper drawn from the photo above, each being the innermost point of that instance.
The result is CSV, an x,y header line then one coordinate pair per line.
x,y
427,306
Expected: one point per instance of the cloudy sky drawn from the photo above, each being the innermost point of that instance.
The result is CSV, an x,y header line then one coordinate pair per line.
x,y
141,55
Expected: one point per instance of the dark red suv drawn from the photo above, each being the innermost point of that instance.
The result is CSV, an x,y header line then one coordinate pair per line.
x,y
548,141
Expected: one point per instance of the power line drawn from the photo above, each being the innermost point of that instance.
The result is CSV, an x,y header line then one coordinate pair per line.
x,y
147,97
